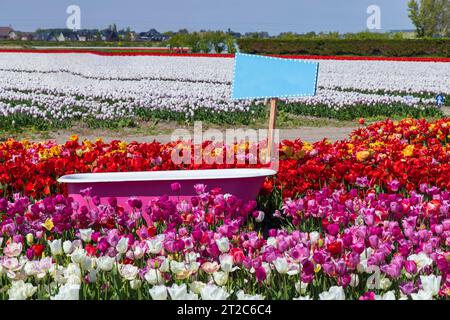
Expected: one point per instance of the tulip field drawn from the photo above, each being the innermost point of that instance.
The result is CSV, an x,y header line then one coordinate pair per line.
x,y
364,218
55,90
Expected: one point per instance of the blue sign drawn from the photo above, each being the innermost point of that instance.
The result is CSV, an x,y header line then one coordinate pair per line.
x,y
440,99
268,77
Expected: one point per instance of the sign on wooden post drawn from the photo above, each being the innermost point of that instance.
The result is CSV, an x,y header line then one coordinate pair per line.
x,y
265,77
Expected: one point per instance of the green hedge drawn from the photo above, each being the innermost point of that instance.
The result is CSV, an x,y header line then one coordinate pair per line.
x,y
37,43
353,47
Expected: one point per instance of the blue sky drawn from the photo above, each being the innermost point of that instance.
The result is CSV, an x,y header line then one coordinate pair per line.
x,y
274,16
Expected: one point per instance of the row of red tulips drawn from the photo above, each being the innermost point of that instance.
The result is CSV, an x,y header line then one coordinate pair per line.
x,y
386,155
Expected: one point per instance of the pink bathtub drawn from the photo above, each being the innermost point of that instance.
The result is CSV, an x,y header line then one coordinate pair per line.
x,y
147,185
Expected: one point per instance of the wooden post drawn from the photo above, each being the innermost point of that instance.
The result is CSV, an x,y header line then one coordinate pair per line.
x,y
272,123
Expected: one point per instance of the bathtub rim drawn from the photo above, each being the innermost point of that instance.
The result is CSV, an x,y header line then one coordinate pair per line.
x,y
166,175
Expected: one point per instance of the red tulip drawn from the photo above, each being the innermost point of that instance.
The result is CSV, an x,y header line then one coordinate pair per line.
x,y
334,247
38,249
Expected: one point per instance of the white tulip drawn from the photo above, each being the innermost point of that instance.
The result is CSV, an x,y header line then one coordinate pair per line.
x,y
220,278
281,265
155,245
314,237
334,293
390,295
122,245
56,247
86,234
78,256
213,292
301,287
177,267
271,241
177,292
422,295
354,280
92,276
72,269
385,283
105,263
154,276
67,292
20,290
68,247
158,292
431,284
135,284
223,244
73,280
226,262
196,286
241,295
128,271
422,260
165,265
13,249
260,217
138,252
302,298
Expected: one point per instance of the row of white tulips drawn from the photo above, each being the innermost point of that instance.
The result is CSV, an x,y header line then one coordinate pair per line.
x,y
66,86
63,281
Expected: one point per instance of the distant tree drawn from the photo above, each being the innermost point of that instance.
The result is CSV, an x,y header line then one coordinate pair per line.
x,y
253,35
218,41
430,17
332,35
126,34
183,31
367,35
193,41
177,41
398,36
204,44
311,34
288,36
230,42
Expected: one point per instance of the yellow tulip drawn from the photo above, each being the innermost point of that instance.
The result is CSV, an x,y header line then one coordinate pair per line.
x,y
317,268
48,224
408,151
362,155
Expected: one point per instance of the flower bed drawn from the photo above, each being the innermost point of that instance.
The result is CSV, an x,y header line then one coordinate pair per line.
x,y
411,152
346,247
120,90
363,218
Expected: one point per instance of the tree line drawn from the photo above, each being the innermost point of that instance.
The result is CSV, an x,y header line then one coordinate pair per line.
x,y
204,41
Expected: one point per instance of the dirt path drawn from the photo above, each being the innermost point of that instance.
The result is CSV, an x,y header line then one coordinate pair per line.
x,y
310,134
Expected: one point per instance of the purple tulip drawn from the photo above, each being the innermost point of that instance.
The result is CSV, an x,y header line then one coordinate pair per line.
x,y
86,192
333,229
200,188
260,274
175,187
407,288
112,201
3,204
410,267
29,253
319,257
341,267
394,185
96,200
